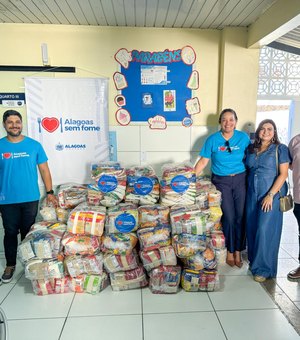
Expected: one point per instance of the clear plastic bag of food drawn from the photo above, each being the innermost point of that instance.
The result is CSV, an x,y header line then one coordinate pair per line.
x,y
214,198
165,279
77,284
150,259
204,280
42,287
153,238
80,244
119,244
123,218
187,245
202,260
71,194
142,185
94,284
77,265
44,269
114,263
153,215
130,279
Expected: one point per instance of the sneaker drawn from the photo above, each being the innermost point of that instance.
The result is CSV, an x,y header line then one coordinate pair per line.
x,y
259,278
8,274
294,274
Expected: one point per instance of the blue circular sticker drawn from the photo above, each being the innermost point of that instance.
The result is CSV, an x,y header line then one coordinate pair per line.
x,y
180,183
187,121
143,186
107,183
125,223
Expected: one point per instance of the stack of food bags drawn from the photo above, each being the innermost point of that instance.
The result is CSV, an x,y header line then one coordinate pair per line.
x,y
178,184
142,185
109,184
118,244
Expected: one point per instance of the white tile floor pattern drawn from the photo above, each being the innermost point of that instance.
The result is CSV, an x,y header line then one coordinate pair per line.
x,y
242,309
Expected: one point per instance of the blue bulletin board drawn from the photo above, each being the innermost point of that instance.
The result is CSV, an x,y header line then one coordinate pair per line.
x,y
156,83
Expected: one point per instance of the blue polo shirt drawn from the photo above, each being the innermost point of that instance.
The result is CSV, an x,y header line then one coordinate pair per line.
x,y
18,170
223,162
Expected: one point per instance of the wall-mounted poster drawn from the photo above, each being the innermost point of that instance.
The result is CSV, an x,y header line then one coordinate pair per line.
x,y
156,84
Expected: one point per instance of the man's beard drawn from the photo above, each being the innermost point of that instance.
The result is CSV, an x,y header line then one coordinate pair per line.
x,y
13,133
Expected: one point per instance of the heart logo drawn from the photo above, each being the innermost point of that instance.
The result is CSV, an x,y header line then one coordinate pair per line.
x,y
7,155
50,124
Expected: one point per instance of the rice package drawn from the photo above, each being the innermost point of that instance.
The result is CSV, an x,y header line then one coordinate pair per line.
x,y
119,244
142,185
122,218
77,283
217,239
44,269
194,281
87,220
61,285
110,181
165,279
178,184
115,263
84,264
153,215
188,220
130,279
80,244
153,238
94,284
71,194
187,245
162,256
42,287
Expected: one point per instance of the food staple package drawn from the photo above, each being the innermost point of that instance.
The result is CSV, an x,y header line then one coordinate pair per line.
x,y
71,194
217,239
215,214
80,244
153,215
153,238
51,286
188,220
94,284
187,245
162,256
84,264
214,198
142,185
116,263
41,244
178,184
48,211
110,181
88,220
204,184
77,284
130,279
202,260
119,244
194,281
44,269
165,279
122,218
48,225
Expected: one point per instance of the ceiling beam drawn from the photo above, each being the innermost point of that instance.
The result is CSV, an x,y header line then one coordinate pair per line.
x,y
282,17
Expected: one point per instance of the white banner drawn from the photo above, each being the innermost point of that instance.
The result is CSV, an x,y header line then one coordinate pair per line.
x,y
69,117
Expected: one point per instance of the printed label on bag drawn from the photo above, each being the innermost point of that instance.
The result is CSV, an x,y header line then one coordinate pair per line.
x,y
180,183
143,186
125,223
107,183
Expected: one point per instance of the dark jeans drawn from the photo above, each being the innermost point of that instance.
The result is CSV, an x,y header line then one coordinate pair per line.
x,y
297,215
16,218
233,189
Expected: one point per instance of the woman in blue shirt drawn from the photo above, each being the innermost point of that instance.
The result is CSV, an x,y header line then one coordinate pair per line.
x,y
226,150
266,177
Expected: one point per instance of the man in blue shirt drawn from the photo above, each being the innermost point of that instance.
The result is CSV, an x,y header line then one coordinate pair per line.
x,y
20,156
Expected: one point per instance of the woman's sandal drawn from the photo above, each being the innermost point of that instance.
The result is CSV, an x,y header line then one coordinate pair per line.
x,y
230,261
238,260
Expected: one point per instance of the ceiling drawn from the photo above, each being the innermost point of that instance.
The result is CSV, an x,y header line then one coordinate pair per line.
x,y
215,14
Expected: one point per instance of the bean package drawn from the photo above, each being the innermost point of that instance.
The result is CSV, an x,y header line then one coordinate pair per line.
x,y
128,230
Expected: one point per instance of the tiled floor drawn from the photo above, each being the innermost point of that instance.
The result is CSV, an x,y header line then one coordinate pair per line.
x,y
242,309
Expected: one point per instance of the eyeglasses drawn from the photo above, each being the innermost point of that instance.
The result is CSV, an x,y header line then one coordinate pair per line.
x,y
228,148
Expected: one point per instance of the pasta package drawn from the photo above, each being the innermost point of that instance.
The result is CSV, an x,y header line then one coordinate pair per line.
x,y
80,244
77,265
118,244
178,184
93,284
115,263
122,218
188,220
153,215
87,220
71,194
153,238
142,185
187,245
194,281
130,279
110,182
165,279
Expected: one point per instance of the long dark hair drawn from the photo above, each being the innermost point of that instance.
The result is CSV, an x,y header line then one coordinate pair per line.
x,y
257,142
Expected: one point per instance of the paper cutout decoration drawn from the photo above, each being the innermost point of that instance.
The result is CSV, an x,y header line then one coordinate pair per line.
x,y
169,100
187,122
120,100
157,123
188,55
193,82
123,57
192,106
123,117
120,81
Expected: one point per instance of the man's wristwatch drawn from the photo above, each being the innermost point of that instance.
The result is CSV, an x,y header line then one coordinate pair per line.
x,y
50,192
